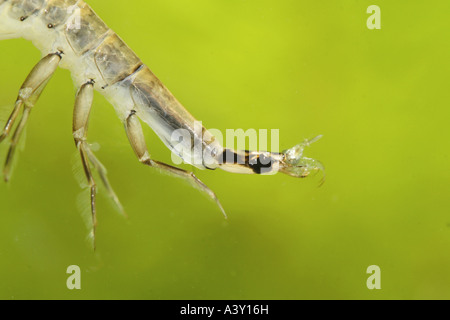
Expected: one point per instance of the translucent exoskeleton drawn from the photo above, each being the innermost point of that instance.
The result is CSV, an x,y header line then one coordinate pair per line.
x,y
70,35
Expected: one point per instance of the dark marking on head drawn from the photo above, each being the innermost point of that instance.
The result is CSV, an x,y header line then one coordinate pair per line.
x,y
231,157
260,164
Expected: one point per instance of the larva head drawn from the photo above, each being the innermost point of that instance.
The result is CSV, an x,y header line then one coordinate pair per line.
x,y
295,165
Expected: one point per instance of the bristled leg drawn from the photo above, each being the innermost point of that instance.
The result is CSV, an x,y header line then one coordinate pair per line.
x,y
137,141
82,110
28,95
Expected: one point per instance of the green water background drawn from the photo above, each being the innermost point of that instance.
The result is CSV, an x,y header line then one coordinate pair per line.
x,y
379,97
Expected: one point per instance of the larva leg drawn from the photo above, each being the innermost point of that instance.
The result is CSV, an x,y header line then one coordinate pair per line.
x,y
28,95
137,141
104,178
83,105
82,109
12,118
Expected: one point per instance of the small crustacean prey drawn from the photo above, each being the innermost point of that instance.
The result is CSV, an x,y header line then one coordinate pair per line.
x,y
70,35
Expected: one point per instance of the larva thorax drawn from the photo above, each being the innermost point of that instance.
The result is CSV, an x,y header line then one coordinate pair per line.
x,y
91,49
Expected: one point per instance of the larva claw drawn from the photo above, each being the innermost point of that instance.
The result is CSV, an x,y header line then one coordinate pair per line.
x,y
295,165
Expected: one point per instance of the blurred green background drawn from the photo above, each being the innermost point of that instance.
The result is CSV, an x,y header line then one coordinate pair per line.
x,y
379,97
